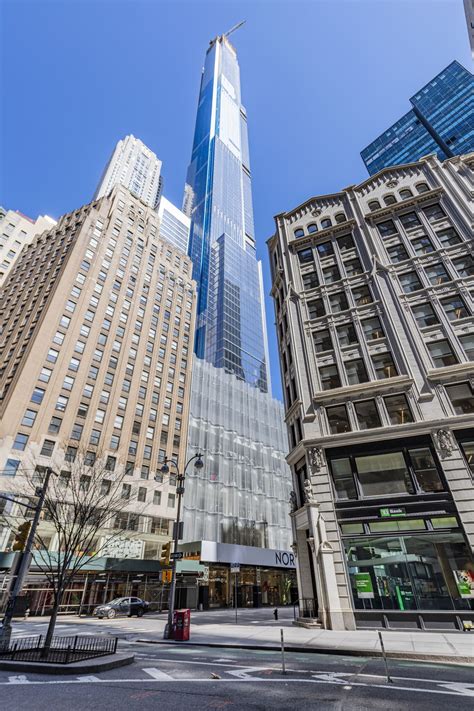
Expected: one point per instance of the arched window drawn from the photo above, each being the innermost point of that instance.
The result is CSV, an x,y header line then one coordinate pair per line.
x,y
406,194
299,232
422,187
326,223
389,199
374,205
312,227
340,217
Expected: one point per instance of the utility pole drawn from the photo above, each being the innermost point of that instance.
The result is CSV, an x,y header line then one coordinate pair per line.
x,y
6,627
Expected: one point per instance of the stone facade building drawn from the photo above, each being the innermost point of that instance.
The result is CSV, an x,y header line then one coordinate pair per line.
x,y
96,339
16,230
374,301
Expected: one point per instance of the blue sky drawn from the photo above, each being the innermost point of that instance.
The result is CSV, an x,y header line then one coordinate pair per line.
x,y
320,80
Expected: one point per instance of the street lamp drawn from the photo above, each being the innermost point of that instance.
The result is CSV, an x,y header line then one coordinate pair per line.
x,y
198,464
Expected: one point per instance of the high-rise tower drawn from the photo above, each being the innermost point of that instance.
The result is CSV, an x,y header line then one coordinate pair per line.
x,y
231,330
240,497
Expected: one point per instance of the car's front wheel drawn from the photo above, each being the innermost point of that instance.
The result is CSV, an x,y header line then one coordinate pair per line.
x,y
111,614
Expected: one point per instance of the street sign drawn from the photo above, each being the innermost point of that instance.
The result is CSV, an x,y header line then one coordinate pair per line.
x,y
177,556
235,567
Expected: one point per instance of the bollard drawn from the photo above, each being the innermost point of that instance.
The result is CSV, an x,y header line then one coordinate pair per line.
x,y
275,613
283,668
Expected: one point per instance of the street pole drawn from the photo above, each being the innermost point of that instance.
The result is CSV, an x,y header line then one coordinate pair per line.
x,y
168,632
6,627
235,596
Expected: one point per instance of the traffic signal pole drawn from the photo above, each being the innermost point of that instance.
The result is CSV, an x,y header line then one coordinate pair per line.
x,y
6,626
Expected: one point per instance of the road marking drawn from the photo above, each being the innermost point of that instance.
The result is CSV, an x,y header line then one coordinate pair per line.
x,y
88,678
158,675
20,679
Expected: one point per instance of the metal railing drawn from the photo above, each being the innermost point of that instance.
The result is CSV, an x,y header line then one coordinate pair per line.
x,y
305,607
62,650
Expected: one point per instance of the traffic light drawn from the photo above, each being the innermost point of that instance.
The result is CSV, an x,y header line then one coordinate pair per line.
x,y
21,536
165,554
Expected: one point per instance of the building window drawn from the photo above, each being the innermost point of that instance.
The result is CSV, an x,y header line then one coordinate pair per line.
x,y
340,218
343,479
467,343
409,220
312,228
299,232
437,274
95,437
384,366
126,491
71,453
345,243
425,470
11,467
362,295
434,212
37,396
171,500
338,302
346,334
422,245
372,328
329,377
29,418
462,398
310,280
89,458
322,342
129,468
424,315
383,474
21,440
387,228
374,205
356,371
110,463
141,496
157,498
55,425
68,382
405,194
338,419
410,282
316,308
52,355
47,448
442,353
464,266
448,237
325,249
454,307
422,187
398,410
331,274
389,199
77,431
468,451
45,375
353,267
397,253
305,256
367,414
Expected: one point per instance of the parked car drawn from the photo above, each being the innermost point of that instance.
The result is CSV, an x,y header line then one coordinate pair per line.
x,y
122,606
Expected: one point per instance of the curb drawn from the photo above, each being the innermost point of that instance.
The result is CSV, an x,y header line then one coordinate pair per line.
x,y
321,650
111,661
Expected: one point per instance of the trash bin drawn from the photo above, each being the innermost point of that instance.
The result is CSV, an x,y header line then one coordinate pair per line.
x,y
181,625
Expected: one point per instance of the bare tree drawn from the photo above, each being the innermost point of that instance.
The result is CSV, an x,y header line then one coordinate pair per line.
x,y
82,507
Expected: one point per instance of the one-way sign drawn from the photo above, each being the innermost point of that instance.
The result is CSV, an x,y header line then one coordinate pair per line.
x,y
177,556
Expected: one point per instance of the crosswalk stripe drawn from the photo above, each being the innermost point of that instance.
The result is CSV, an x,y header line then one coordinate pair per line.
x,y
158,674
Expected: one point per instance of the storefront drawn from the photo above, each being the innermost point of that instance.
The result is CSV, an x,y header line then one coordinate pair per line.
x,y
406,554
265,577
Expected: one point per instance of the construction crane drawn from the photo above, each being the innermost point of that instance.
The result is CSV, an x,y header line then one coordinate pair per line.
x,y
234,28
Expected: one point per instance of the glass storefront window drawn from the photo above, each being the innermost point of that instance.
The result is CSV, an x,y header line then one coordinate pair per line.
x,y
343,479
412,572
383,474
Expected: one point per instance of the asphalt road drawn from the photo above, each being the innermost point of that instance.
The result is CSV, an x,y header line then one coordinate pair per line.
x,y
199,677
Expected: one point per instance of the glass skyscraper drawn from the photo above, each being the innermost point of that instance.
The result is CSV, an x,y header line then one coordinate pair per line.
x,y
441,121
241,494
231,330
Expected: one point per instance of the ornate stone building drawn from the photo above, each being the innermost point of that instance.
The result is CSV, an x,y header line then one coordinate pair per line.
x,y
374,301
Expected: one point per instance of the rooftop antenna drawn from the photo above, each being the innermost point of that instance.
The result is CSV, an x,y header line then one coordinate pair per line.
x,y
234,28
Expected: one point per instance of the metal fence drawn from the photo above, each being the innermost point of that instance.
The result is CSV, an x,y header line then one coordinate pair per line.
x,y
62,650
305,607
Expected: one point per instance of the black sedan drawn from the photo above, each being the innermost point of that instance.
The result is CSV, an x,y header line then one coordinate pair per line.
x,y
122,606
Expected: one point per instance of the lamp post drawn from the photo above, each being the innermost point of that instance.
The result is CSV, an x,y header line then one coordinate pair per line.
x,y
198,463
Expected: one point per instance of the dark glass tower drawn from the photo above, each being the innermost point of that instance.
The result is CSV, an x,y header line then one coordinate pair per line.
x,y
441,121
231,331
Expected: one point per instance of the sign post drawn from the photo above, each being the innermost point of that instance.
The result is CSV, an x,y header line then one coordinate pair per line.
x,y
235,568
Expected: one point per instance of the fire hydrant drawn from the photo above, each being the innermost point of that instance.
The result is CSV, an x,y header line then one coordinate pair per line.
x,y
27,613
275,613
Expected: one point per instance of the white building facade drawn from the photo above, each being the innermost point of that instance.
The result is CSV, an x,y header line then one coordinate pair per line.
x,y
373,291
16,230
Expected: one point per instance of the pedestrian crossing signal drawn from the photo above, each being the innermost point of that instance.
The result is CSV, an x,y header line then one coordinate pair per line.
x,y
165,554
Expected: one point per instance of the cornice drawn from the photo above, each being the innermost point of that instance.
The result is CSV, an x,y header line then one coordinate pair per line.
x,y
351,392
456,371
397,206
314,237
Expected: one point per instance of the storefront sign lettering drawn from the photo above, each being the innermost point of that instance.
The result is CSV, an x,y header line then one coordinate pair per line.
x,y
282,558
363,583
392,511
